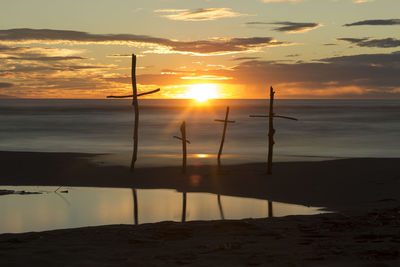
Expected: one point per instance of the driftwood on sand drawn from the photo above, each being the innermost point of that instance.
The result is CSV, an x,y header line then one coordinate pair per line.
x,y
271,130
135,104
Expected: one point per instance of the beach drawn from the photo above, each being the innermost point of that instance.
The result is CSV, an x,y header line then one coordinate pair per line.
x,y
362,193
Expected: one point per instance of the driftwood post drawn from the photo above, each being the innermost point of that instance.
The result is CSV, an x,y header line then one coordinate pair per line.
x,y
184,141
271,130
225,121
135,104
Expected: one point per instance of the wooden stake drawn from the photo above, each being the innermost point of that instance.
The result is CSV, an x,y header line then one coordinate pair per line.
x,y
135,105
226,121
271,130
184,141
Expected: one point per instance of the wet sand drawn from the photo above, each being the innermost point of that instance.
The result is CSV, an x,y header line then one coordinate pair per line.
x,y
364,231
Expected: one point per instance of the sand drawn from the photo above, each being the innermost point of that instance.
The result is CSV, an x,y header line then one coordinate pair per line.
x,y
363,231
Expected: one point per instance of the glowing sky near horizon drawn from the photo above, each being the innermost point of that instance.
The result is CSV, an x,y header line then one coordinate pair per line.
x,y
305,49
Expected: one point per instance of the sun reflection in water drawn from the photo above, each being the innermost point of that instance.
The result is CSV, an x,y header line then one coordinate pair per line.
x,y
195,179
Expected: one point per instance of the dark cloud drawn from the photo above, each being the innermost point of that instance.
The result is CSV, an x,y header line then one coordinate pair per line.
x,y
245,58
6,85
367,42
363,75
212,46
375,22
289,27
372,71
45,58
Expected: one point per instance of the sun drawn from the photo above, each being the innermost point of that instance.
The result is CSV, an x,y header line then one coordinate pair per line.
x,y
202,92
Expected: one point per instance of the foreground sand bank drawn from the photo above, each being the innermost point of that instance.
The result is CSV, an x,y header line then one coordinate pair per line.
x,y
371,239
346,185
364,232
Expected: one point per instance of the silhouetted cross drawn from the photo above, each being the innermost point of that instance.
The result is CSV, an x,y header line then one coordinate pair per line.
x,y
184,141
226,121
135,104
271,130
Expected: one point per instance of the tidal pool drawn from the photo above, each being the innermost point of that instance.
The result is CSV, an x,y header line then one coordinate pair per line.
x,y
88,206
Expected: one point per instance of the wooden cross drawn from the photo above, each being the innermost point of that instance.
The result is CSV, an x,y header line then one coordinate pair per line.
x,y
135,105
271,130
226,121
184,141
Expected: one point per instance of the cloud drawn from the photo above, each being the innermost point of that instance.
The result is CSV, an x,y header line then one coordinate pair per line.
x,y
245,58
367,42
6,85
366,71
375,22
214,46
279,1
201,14
364,75
290,27
362,1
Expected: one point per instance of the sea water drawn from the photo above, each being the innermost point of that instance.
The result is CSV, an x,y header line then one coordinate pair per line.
x,y
325,129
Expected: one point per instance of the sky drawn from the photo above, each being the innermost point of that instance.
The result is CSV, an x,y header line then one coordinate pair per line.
x,y
313,49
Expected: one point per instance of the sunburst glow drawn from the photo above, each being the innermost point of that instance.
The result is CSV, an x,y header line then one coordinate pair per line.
x,y
202,92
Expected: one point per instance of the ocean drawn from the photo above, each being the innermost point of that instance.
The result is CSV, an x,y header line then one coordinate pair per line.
x,y
326,128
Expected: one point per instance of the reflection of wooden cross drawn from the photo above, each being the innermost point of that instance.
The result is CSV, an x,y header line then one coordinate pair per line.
x,y
135,207
135,104
184,141
183,218
271,130
226,121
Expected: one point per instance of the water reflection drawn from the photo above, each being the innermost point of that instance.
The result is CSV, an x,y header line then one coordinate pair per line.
x,y
270,211
135,207
101,206
183,207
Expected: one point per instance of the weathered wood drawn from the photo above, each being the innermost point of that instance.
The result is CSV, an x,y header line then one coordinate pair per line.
x,y
225,121
135,104
180,138
183,219
184,153
135,207
184,141
275,116
141,94
271,130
